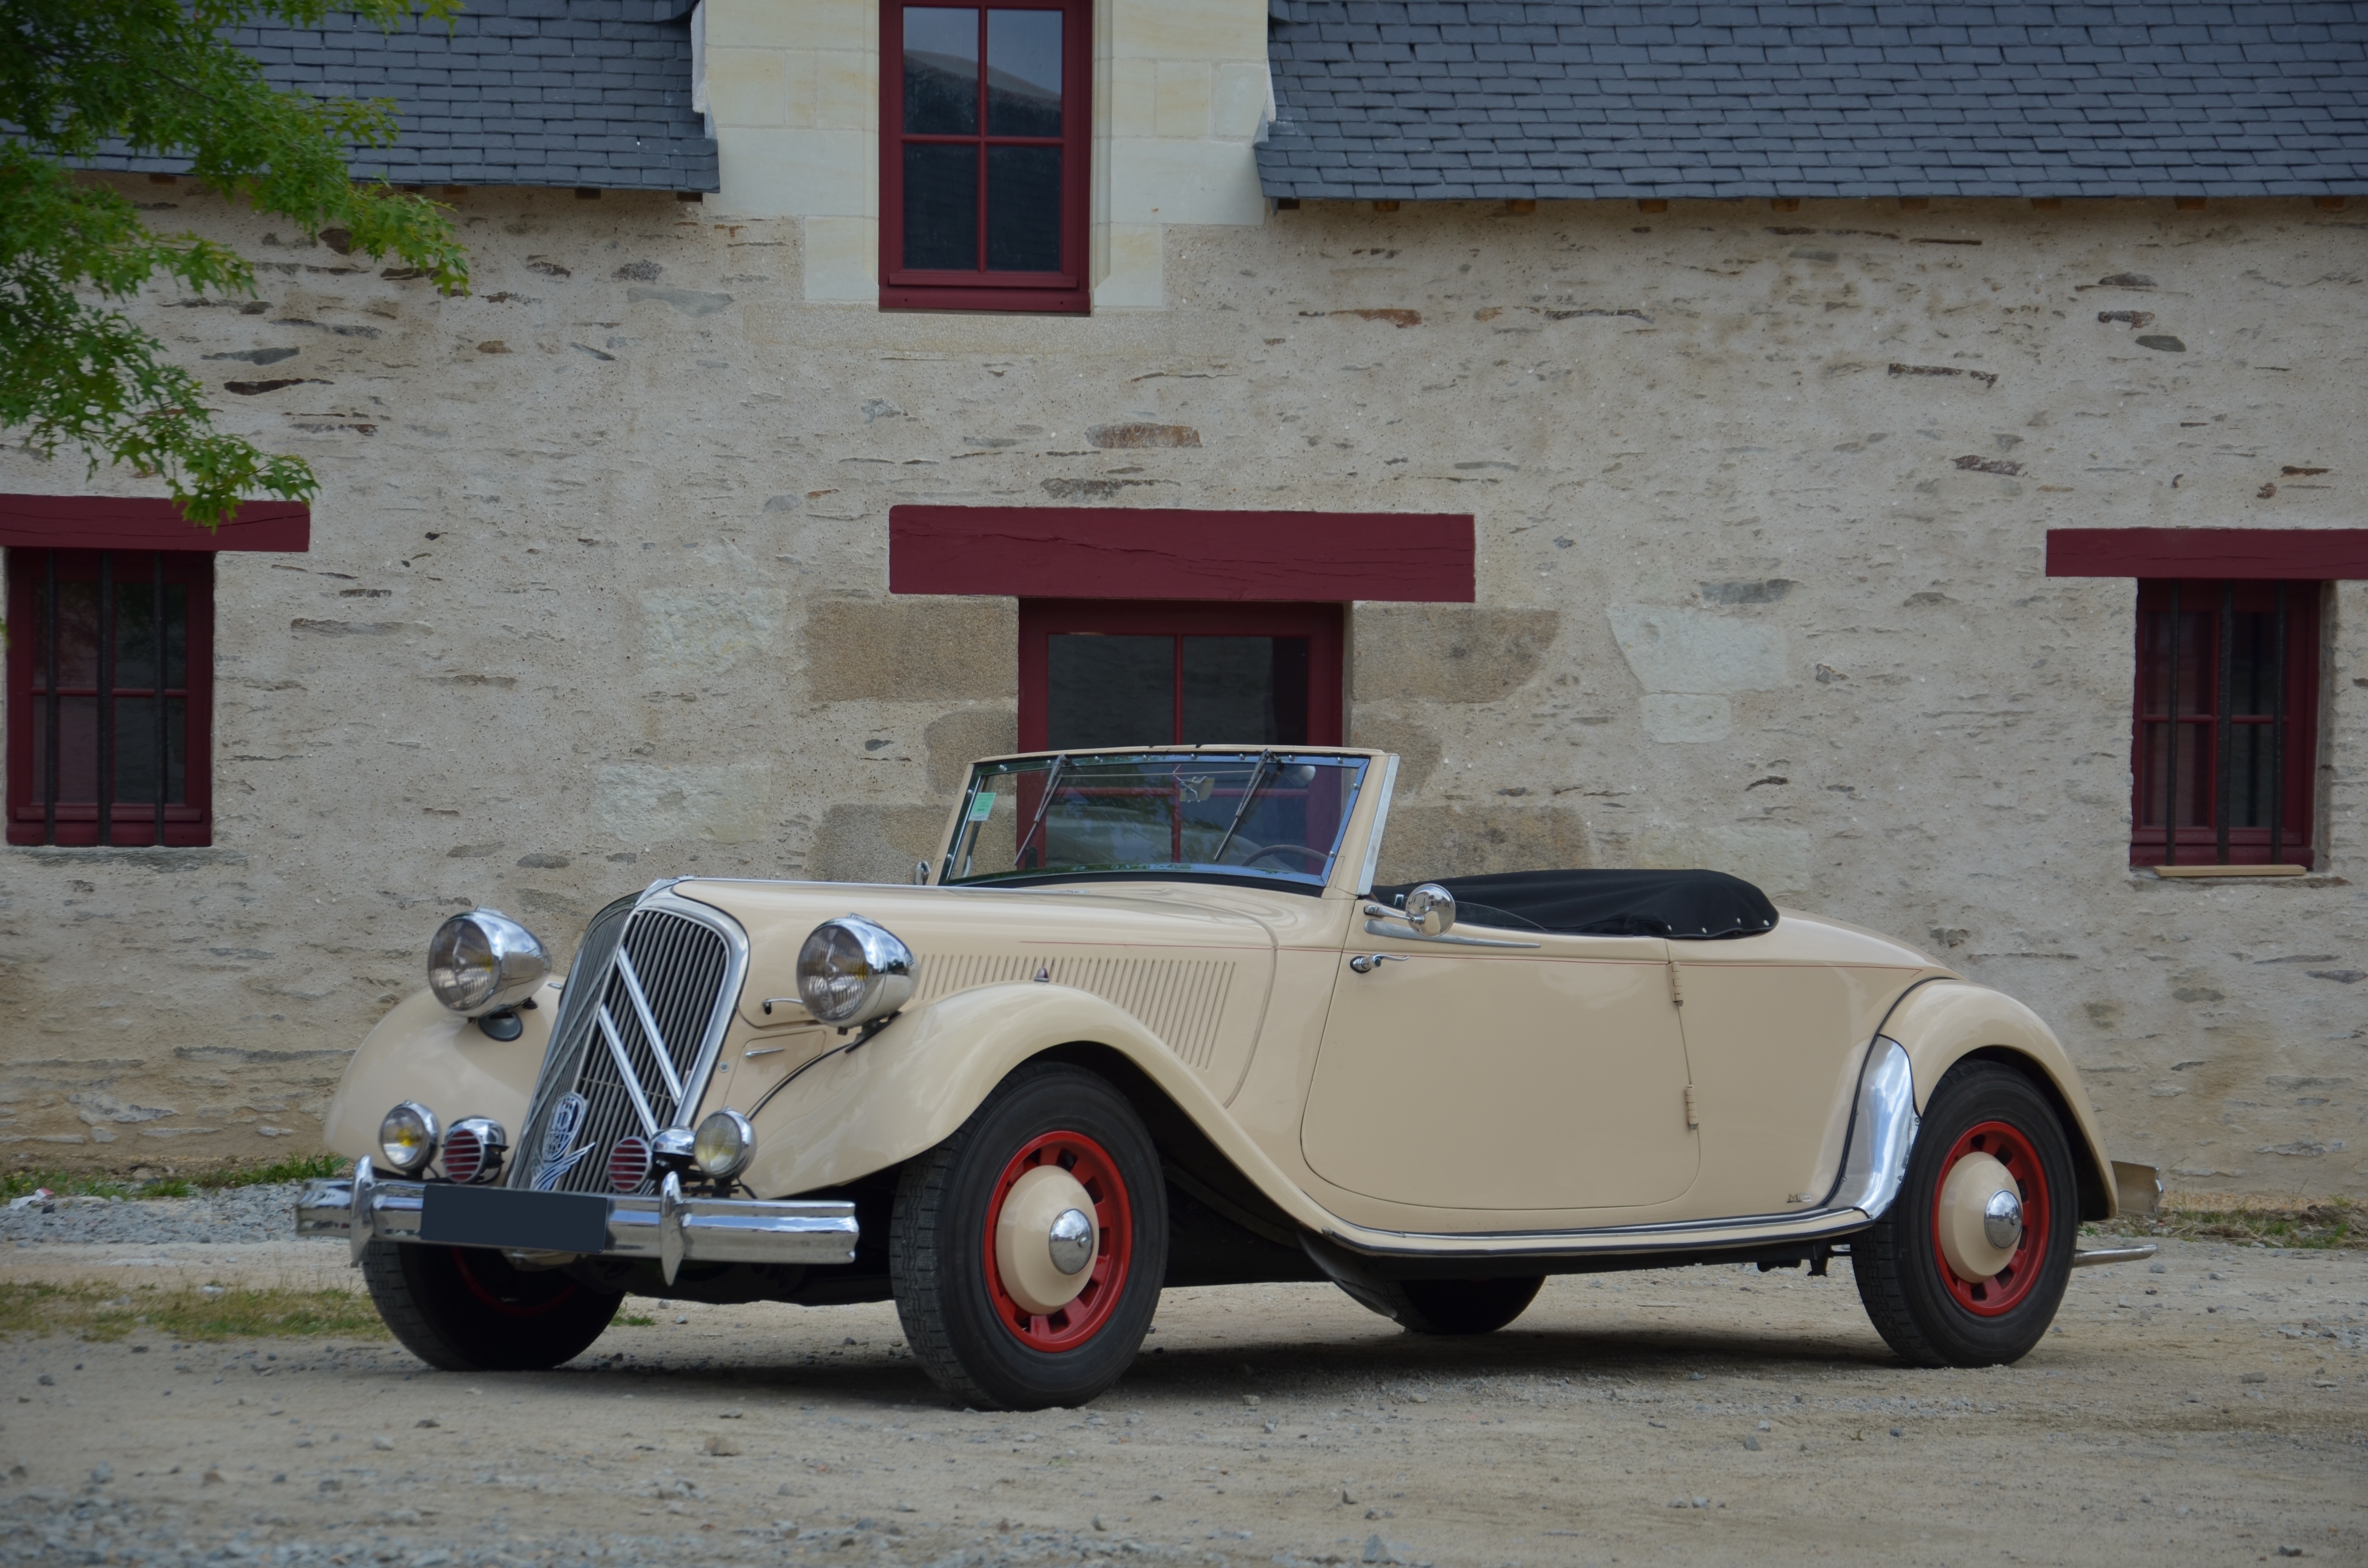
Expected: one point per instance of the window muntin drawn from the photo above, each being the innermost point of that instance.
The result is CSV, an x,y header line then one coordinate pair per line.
x,y
1268,818
2225,730
982,152
91,729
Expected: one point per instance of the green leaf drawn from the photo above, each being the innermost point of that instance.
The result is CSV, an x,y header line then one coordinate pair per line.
x,y
158,78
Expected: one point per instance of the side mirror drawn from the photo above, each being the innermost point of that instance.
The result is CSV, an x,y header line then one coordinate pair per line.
x,y
1431,909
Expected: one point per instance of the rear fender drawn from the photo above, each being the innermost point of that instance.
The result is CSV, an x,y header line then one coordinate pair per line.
x,y
423,1051
1943,1022
910,1086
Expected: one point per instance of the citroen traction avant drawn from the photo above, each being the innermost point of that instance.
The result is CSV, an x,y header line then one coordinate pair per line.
x,y
1147,1020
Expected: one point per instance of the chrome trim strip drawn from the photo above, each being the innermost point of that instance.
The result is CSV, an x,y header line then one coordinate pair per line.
x,y
1364,887
2098,1256
1408,934
659,1050
710,1230
1883,1131
632,1080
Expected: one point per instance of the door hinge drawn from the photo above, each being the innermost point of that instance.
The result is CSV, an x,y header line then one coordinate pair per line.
x,y
1693,1117
1677,990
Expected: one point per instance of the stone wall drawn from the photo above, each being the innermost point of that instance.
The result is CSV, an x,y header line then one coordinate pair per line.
x,y
597,593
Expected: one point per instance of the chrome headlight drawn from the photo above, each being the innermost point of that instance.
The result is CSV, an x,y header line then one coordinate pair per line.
x,y
484,960
724,1144
851,971
407,1138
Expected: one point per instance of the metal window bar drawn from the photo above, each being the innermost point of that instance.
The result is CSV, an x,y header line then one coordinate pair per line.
x,y
2225,725
106,736
50,716
156,688
2278,735
2170,743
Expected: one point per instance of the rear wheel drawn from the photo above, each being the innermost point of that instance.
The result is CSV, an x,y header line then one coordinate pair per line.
x,y
1969,1265
1027,1250
1452,1306
469,1310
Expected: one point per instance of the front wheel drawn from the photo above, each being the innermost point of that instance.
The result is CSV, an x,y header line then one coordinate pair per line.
x,y
1026,1251
1968,1266
469,1310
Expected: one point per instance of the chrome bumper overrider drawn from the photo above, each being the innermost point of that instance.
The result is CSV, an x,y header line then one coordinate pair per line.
x,y
668,1227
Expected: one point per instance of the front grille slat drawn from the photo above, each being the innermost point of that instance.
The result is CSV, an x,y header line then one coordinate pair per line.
x,y
684,966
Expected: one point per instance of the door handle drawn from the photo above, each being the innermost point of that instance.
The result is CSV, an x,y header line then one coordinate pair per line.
x,y
1365,963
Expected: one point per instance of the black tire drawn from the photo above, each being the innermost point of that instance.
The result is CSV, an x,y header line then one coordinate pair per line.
x,y
1898,1263
937,1242
1452,1306
468,1310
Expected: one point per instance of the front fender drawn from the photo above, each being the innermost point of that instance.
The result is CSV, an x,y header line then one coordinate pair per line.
x,y
422,1051
1942,1022
908,1087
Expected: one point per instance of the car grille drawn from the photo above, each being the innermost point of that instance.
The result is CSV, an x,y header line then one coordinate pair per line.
x,y
642,1014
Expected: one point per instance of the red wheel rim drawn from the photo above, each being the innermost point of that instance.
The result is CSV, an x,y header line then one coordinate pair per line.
x,y
1095,1171
514,1306
2004,1291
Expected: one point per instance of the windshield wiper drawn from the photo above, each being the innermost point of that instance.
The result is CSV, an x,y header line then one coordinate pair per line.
x,y
1052,777
1249,796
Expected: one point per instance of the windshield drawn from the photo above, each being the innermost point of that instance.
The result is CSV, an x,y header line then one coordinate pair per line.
x,y
1262,816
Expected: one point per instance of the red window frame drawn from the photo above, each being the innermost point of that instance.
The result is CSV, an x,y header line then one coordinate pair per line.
x,y
1063,292
2184,666
30,818
1324,625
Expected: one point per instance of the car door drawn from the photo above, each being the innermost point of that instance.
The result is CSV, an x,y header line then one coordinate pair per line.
x,y
1546,1075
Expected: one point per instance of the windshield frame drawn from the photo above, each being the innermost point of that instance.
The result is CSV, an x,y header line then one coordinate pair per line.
x,y
1266,764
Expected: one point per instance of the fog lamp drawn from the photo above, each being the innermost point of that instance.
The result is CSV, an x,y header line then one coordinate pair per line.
x,y
473,1150
724,1144
407,1138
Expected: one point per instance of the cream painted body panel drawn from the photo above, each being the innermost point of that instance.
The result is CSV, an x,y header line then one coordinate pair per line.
x,y
1777,1028
1945,1021
422,1051
1494,1079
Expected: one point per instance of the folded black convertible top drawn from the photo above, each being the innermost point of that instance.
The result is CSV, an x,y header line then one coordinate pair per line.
x,y
1694,905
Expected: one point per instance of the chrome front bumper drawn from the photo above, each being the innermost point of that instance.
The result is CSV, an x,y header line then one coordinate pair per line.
x,y
668,1227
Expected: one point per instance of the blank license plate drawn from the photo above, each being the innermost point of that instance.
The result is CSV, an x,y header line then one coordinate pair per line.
x,y
502,1217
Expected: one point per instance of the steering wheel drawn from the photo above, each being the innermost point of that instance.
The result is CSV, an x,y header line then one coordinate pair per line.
x,y
1316,858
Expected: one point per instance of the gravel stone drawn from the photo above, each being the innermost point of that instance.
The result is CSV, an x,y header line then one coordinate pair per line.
x,y
233,1214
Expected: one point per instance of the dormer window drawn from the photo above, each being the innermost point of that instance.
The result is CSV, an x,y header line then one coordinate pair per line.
x,y
984,119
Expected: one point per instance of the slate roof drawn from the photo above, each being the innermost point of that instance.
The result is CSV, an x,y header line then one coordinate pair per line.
x,y
585,93
1480,99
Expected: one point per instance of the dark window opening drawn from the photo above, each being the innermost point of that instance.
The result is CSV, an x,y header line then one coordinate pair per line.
x,y
109,664
983,156
2227,724
1179,673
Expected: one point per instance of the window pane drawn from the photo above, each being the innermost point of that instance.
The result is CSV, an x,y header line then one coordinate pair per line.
x,y
1023,72
1245,691
77,636
2250,779
1110,691
2256,667
2198,658
942,207
2195,770
77,748
135,751
1023,209
135,632
941,71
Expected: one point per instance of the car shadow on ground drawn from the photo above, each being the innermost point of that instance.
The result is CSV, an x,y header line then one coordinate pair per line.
x,y
1265,1366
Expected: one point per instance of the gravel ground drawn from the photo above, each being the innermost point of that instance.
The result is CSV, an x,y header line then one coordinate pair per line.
x,y
230,1214
2214,1411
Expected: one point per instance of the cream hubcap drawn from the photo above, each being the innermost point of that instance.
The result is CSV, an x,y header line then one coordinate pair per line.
x,y
1045,1240
1981,1218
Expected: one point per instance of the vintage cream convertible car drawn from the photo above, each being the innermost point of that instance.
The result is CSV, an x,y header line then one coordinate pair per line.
x,y
1147,1021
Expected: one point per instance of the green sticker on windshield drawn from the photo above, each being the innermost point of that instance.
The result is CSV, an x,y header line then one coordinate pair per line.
x,y
982,805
